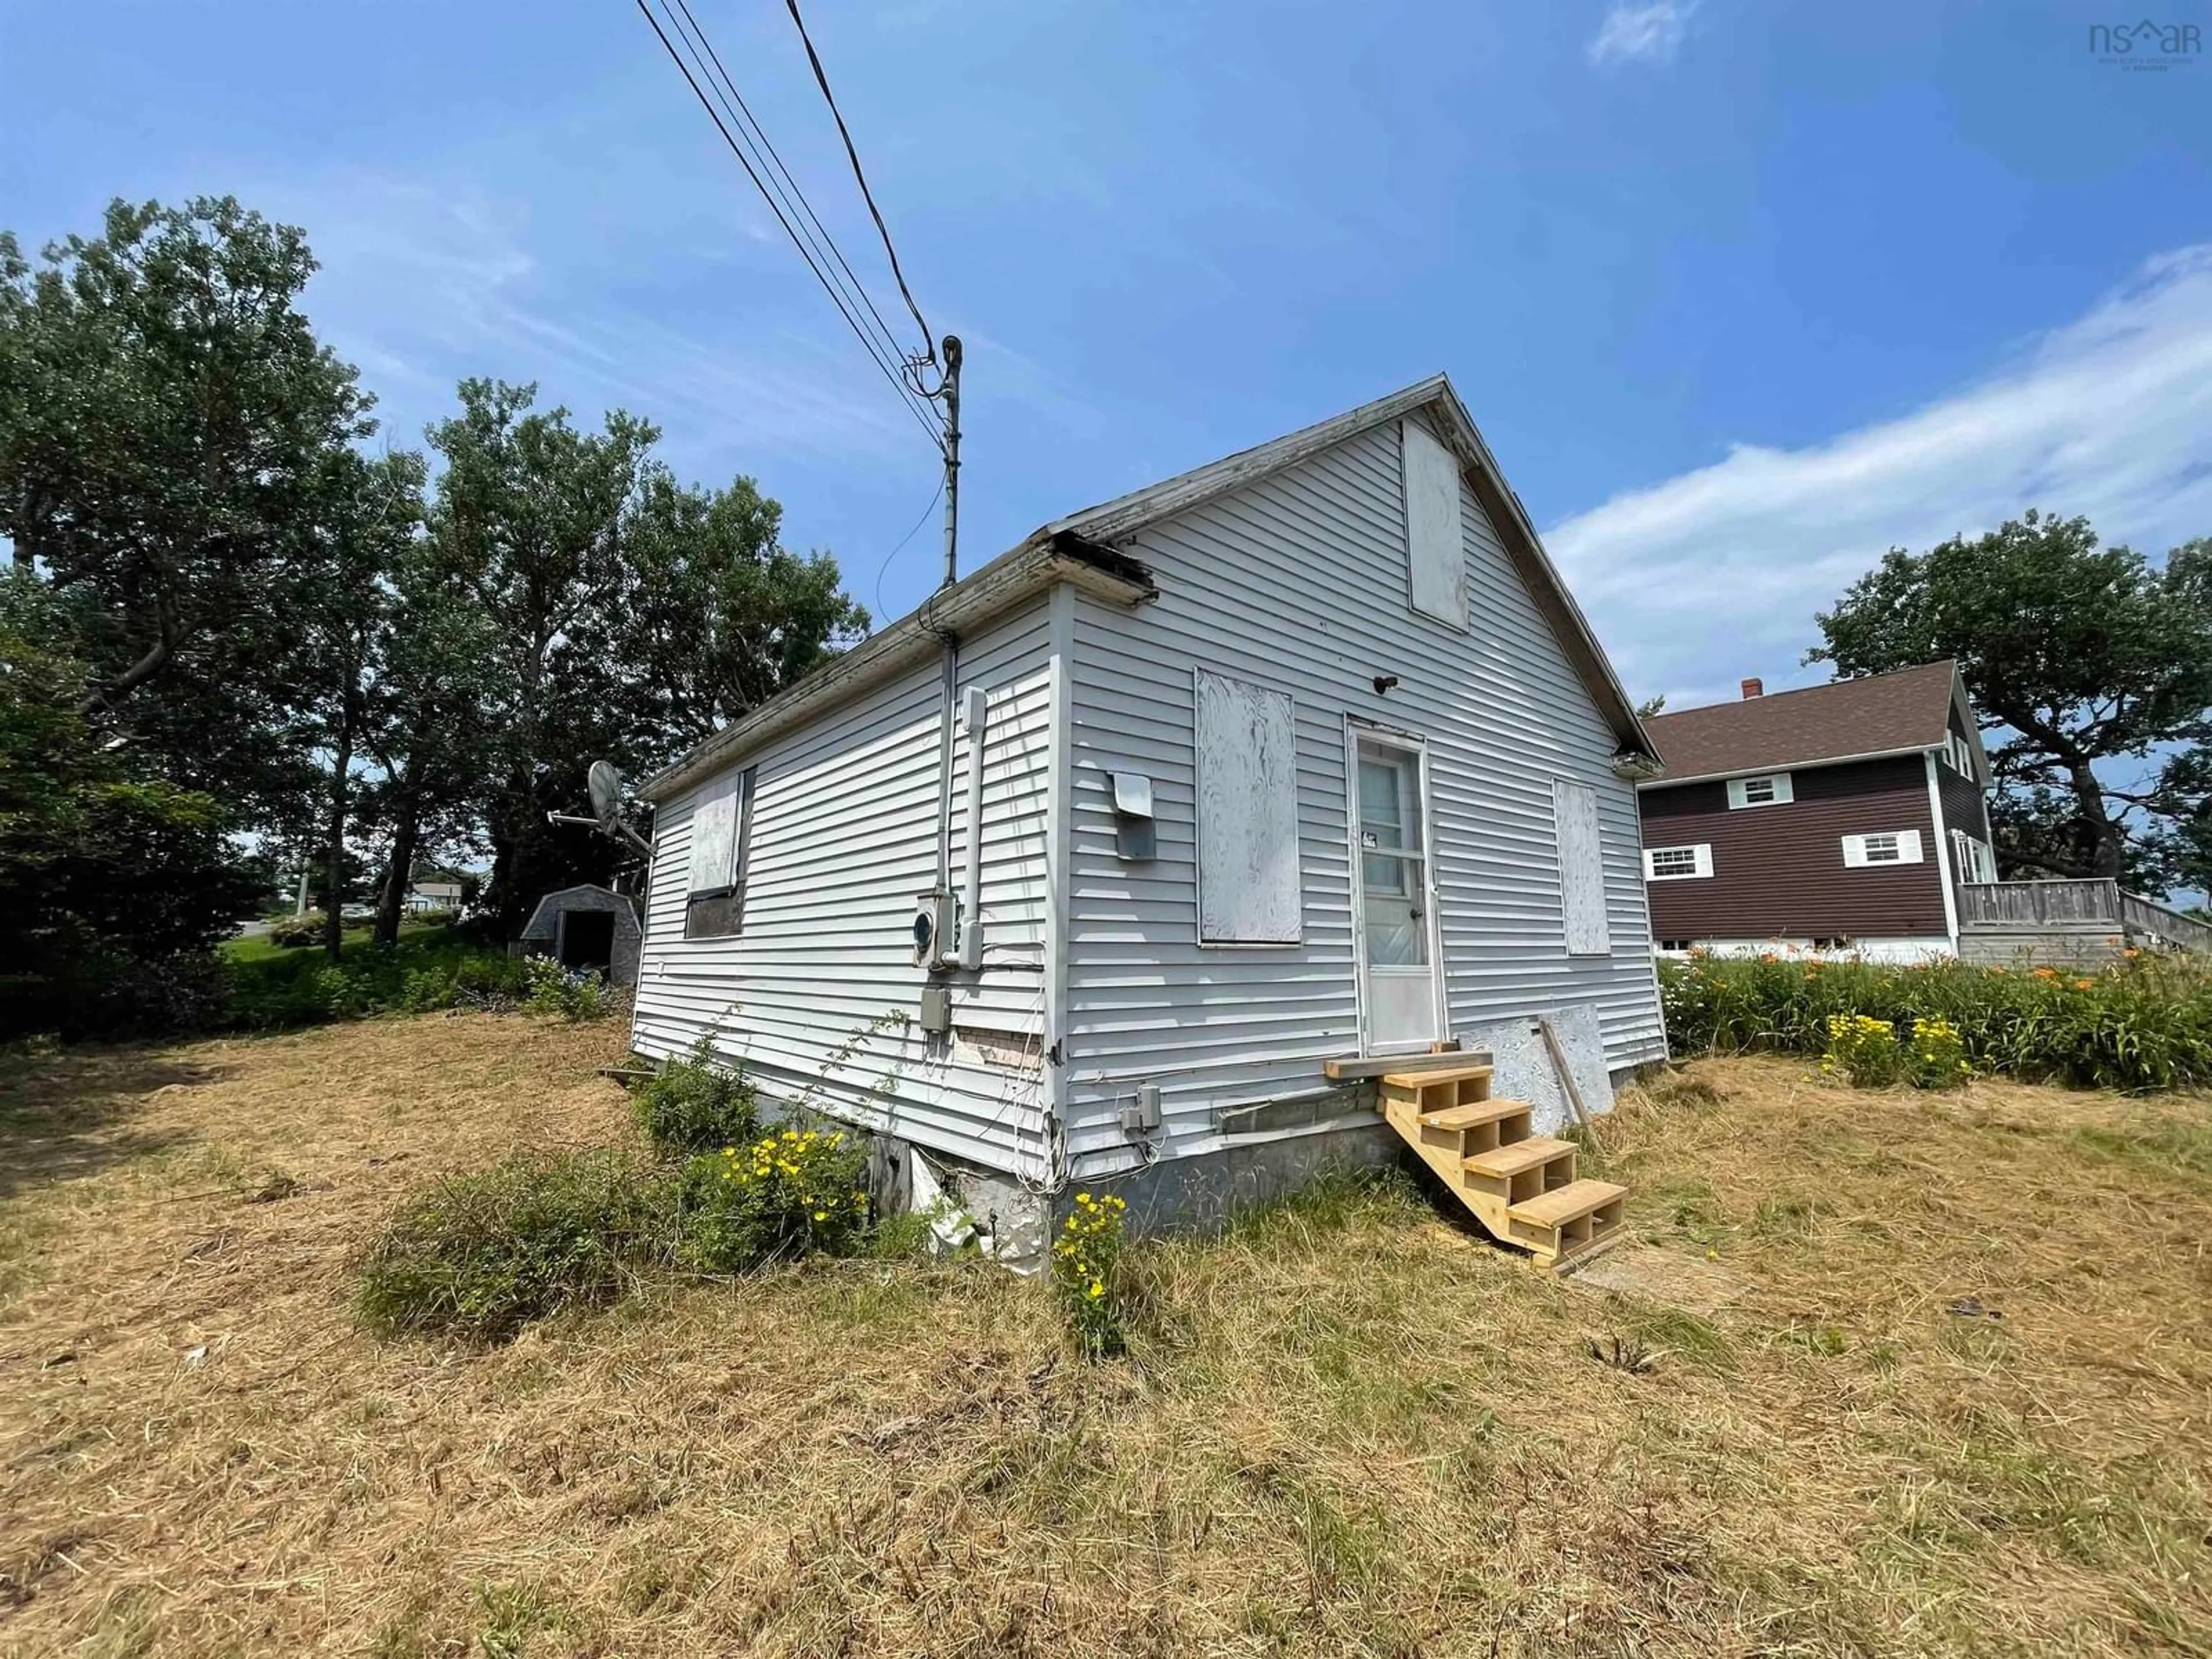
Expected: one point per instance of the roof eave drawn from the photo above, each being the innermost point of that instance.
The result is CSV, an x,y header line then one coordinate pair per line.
x,y
1663,781
1045,560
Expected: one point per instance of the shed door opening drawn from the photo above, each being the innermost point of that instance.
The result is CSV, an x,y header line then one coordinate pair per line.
x,y
587,938
1397,959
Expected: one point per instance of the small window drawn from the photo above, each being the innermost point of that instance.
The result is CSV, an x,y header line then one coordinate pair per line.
x,y
1959,754
1833,942
1771,790
721,838
1677,945
1678,863
1882,846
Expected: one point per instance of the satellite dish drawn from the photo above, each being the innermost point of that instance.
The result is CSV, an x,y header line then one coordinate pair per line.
x,y
606,785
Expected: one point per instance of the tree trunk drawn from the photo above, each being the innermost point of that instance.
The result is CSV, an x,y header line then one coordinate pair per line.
x,y
334,870
391,901
2108,839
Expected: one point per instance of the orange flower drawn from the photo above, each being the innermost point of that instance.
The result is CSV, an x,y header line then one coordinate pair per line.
x,y
2046,972
2085,985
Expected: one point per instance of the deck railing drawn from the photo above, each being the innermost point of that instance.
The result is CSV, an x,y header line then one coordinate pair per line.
x,y
2027,905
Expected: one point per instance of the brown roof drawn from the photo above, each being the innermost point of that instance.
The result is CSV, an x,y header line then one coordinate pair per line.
x,y
1879,714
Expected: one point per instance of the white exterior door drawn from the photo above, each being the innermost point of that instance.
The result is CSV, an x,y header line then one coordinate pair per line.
x,y
1397,936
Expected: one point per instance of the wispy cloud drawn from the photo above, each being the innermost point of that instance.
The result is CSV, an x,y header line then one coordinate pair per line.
x,y
1642,34
421,286
1716,573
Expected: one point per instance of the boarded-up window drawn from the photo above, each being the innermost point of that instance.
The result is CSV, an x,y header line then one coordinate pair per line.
x,y
1581,869
1247,813
721,825
1436,556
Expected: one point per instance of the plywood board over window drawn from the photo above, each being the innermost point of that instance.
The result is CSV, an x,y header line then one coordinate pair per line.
x,y
1246,737
1435,554
1581,869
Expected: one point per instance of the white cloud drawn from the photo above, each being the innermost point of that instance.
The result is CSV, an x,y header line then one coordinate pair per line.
x,y
1718,573
1645,33
419,286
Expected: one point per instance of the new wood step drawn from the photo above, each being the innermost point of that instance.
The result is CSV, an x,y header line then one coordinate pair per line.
x,y
1564,1204
1474,1112
1517,1156
1411,1081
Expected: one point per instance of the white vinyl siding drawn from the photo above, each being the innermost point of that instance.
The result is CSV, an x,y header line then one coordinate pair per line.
x,y
1581,869
1882,846
817,997
1678,863
1435,548
1248,812
1296,582
1769,789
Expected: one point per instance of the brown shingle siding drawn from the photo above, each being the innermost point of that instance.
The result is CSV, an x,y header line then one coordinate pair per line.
x,y
1778,871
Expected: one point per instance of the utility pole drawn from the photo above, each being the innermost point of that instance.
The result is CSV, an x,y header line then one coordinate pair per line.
x,y
951,394
949,389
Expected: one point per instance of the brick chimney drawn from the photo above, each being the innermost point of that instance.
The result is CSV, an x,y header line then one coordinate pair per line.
x,y
1753,689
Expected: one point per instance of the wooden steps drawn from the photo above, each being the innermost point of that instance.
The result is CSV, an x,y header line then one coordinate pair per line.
x,y
1522,1186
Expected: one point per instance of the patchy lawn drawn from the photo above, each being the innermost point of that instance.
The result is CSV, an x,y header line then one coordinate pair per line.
x,y
1886,1374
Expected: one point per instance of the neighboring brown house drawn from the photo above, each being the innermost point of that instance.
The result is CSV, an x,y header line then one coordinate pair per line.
x,y
1836,818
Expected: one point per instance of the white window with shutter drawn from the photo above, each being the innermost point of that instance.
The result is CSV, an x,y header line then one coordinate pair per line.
x,y
1581,869
1436,555
1678,863
1881,847
1771,790
1249,886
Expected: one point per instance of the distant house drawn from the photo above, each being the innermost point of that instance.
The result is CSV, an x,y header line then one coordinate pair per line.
x,y
435,892
1839,819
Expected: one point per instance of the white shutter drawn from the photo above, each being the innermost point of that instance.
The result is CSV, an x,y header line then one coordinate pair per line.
x,y
1581,869
1436,555
1739,791
715,835
1908,848
1249,887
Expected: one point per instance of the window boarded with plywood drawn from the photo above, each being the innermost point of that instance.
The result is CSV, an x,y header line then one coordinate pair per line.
x,y
1581,869
1435,554
1249,890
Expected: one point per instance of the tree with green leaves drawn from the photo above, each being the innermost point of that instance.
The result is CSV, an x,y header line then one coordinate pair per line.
x,y
365,513
2092,667
527,523
721,616
113,888
166,415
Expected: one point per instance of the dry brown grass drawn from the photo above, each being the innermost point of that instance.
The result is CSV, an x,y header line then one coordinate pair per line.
x,y
1351,1428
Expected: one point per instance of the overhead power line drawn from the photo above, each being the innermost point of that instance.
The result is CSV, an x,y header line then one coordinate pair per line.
x,y
794,197
859,178
882,350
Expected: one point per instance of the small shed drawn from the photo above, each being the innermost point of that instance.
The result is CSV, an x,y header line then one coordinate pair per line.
x,y
586,927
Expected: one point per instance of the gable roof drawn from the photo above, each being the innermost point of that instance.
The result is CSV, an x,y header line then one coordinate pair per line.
x,y
1897,712
1081,549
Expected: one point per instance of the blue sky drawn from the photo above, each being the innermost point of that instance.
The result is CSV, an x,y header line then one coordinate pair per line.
x,y
1742,294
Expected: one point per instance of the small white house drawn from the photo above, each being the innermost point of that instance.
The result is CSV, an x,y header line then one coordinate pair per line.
x,y
1302,758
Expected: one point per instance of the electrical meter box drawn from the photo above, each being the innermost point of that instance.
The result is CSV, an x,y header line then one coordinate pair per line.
x,y
934,930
